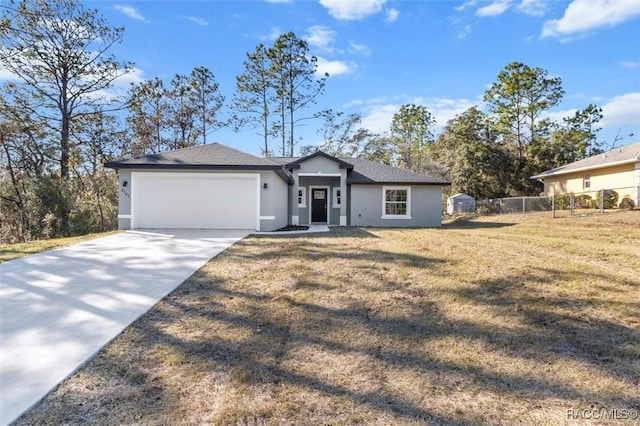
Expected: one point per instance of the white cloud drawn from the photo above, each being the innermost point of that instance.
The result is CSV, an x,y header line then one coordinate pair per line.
x,y
135,75
378,116
199,21
321,37
629,64
582,16
131,12
333,68
360,49
352,10
464,32
6,75
274,33
392,15
533,7
498,7
622,111
466,5
445,109
557,116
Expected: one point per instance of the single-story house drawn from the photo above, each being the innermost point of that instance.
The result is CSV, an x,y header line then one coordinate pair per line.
x,y
215,186
618,169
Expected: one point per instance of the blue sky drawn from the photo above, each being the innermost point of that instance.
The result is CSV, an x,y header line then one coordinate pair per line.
x,y
383,53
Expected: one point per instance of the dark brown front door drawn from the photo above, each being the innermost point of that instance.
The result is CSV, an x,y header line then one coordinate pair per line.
x,y
319,205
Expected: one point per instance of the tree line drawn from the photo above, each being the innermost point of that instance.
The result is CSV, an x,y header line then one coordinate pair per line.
x,y
60,121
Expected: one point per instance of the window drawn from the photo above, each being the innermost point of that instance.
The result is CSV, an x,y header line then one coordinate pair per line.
x,y
337,197
396,202
302,197
586,183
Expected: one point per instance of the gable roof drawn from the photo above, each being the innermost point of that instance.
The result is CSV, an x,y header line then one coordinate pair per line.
x,y
365,171
213,156
623,155
216,156
341,163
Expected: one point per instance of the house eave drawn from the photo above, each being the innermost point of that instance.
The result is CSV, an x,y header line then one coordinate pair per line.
x,y
586,168
279,170
401,183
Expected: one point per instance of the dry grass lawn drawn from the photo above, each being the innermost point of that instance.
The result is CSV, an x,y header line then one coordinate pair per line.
x,y
15,251
498,320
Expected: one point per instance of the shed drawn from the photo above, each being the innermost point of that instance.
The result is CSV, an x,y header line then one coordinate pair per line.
x,y
460,204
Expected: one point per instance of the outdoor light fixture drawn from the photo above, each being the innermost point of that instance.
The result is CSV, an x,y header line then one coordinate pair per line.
x,y
124,184
265,185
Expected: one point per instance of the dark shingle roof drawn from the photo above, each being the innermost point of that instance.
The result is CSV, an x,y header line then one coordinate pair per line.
x,y
372,172
622,155
222,157
213,155
369,172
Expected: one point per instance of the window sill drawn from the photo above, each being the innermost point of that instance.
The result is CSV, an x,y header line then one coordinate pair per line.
x,y
390,216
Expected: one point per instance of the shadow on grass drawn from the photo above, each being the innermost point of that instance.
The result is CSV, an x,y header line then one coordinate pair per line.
x,y
390,332
334,232
470,222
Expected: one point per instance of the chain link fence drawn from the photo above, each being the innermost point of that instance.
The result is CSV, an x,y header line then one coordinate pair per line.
x,y
564,205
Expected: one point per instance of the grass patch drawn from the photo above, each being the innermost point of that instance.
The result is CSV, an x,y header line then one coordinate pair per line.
x,y
511,319
15,251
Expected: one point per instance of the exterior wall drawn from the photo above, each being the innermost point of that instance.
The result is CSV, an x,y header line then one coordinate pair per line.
x,y
620,178
124,199
273,199
367,204
319,165
637,182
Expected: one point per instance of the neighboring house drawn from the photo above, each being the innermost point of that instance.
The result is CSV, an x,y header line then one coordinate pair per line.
x,y
618,169
215,186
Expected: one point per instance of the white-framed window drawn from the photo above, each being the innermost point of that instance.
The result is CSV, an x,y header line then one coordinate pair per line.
x,y
302,197
396,202
586,182
337,198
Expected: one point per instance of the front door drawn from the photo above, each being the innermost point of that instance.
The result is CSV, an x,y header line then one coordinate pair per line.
x,y
319,205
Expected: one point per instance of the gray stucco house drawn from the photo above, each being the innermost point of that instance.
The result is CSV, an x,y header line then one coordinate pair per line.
x,y
215,186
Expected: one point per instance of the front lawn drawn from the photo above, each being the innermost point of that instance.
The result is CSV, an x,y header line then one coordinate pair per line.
x,y
500,320
15,251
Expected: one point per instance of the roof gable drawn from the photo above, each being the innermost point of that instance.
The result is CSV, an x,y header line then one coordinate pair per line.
x,y
341,163
622,155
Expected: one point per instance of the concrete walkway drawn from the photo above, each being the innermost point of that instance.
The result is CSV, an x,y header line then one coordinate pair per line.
x,y
58,308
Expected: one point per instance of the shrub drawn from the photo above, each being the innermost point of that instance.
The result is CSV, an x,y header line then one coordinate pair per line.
x,y
626,203
583,201
487,207
563,202
610,200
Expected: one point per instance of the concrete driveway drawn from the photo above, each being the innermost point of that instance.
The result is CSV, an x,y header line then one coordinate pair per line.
x,y
58,308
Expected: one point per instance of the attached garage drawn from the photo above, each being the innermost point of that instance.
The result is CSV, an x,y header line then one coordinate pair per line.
x,y
195,200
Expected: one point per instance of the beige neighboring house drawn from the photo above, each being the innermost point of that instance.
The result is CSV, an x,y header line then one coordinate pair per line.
x,y
618,169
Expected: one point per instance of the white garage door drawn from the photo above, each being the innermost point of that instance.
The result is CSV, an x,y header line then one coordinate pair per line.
x,y
195,200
